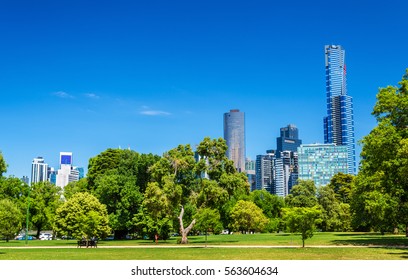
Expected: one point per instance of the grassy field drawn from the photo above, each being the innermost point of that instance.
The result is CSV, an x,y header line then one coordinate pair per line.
x,y
376,247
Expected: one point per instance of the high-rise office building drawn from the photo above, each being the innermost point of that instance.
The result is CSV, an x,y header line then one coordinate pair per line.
x,y
339,123
288,140
320,162
39,170
264,173
67,173
234,135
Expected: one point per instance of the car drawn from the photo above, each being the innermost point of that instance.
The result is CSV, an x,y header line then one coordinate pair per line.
x,y
22,237
45,236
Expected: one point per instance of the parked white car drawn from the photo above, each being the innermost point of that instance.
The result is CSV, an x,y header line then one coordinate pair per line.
x,y
45,236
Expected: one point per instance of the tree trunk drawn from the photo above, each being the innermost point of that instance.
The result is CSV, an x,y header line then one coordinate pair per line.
x,y
184,231
406,230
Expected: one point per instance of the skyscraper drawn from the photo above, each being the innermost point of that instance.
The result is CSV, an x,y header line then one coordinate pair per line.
x,y
234,135
264,172
67,173
288,140
339,123
39,170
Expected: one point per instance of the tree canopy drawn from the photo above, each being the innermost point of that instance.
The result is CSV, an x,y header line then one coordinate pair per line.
x,y
82,216
10,219
247,217
380,196
3,165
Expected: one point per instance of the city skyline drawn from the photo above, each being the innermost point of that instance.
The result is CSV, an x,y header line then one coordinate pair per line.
x,y
83,78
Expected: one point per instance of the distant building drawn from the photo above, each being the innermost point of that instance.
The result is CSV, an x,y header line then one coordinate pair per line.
x,y
320,162
39,170
26,180
250,166
286,173
265,172
339,122
234,135
67,173
52,175
288,140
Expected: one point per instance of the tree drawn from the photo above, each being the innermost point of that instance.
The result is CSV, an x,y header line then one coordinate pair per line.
x,y
335,215
302,220
270,204
247,217
122,199
10,219
118,178
208,220
3,165
341,184
156,214
380,193
44,200
213,160
75,187
302,195
82,216
124,162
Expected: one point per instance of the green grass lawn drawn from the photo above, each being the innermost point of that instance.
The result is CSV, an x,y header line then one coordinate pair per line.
x,y
66,249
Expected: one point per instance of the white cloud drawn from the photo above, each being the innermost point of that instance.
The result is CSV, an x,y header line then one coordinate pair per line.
x,y
62,94
154,113
92,95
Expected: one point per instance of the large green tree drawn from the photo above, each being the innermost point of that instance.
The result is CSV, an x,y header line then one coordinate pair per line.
x,y
118,178
271,206
380,193
335,214
302,195
45,198
122,198
247,217
10,219
82,216
341,184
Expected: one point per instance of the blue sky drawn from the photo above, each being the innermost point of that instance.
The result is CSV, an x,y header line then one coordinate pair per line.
x,y
84,76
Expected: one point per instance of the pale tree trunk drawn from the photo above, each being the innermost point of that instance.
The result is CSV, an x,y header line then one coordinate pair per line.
x,y
184,231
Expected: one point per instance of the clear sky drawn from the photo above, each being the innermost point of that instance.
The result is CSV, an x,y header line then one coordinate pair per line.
x,y
84,76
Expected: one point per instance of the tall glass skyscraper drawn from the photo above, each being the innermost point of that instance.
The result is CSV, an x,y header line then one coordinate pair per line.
x,y
234,135
339,123
288,140
39,170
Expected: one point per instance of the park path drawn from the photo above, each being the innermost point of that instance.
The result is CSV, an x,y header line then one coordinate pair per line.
x,y
209,246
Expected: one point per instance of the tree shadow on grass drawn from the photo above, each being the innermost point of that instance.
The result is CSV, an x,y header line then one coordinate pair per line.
x,y
373,240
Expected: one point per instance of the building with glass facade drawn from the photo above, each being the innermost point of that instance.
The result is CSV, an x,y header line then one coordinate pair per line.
x,y
66,173
288,140
39,170
234,135
264,172
320,162
339,122
250,166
